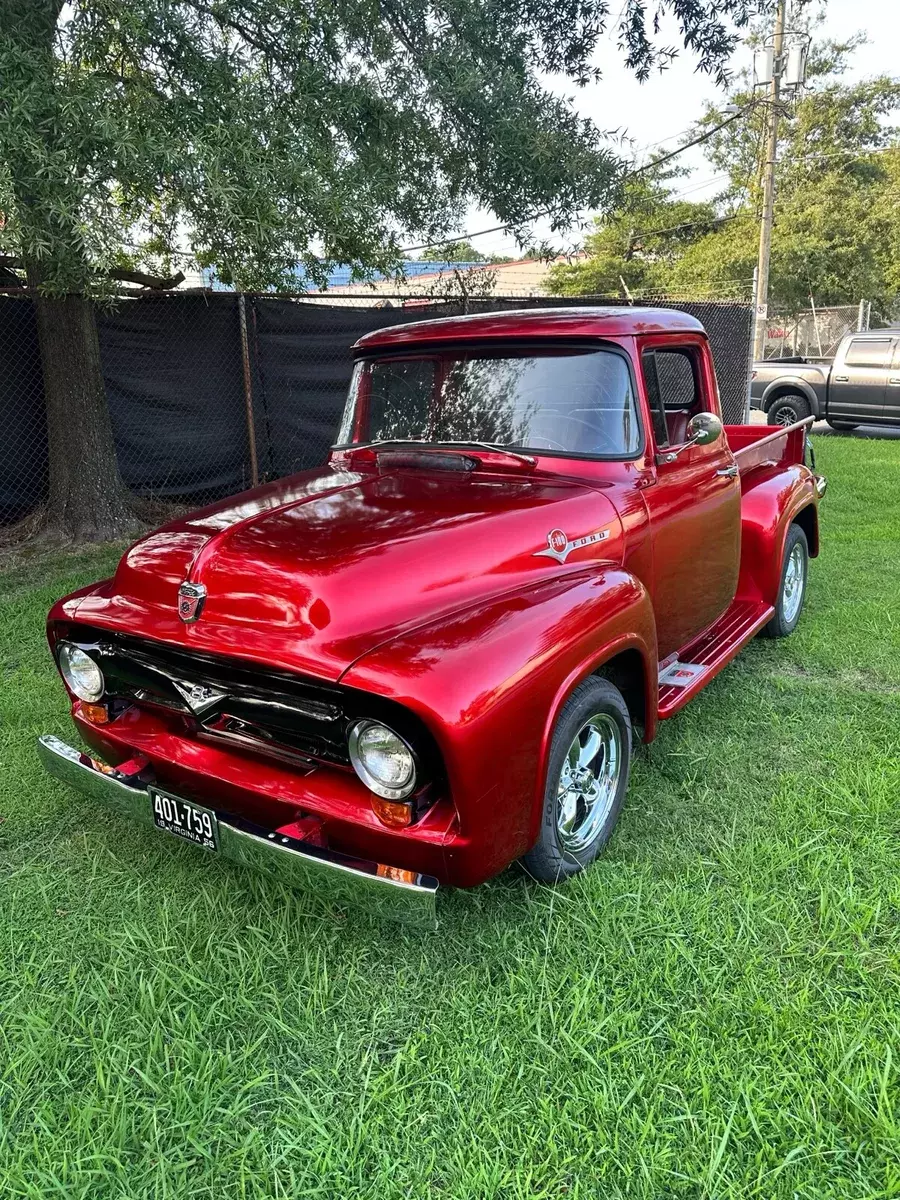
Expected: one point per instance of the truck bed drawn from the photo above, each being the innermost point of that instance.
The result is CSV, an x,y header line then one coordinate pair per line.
x,y
756,446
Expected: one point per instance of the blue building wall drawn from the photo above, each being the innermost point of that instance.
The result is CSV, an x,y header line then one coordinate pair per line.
x,y
341,276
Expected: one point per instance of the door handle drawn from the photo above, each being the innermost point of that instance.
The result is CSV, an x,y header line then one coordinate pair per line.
x,y
894,381
728,472
841,378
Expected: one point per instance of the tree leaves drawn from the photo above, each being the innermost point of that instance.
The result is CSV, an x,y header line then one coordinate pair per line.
x,y
266,134
837,218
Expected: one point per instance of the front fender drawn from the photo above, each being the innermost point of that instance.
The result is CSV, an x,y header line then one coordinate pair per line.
x,y
489,680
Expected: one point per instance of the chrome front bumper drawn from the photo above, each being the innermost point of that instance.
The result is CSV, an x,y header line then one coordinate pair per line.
x,y
294,862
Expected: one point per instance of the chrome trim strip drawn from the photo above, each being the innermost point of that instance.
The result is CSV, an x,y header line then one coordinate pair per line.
x,y
288,859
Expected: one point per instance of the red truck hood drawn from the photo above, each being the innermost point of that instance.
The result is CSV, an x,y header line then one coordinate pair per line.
x,y
314,571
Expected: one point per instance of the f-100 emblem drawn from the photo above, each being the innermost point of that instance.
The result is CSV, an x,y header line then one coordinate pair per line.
x,y
559,546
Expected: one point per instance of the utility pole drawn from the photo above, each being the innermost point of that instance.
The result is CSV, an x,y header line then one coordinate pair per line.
x,y
768,205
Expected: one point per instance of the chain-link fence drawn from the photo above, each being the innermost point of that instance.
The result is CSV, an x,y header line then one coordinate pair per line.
x,y
212,392
815,332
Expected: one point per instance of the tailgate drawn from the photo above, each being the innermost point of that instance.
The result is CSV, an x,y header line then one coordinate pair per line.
x,y
756,446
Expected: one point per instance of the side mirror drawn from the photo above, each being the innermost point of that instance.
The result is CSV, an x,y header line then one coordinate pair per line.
x,y
702,429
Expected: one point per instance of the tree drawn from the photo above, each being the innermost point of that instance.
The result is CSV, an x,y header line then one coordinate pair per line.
x,y
837,227
837,223
261,134
633,249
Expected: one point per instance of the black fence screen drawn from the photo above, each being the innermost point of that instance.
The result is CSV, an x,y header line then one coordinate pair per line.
x,y
209,391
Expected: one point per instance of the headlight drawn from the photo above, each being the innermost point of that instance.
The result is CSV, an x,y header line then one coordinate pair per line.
x,y
382,760
80,672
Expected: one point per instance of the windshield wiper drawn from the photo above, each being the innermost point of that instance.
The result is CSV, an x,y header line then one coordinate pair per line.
x,y
382,442
522,458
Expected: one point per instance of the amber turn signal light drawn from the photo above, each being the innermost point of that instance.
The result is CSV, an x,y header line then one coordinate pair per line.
x,y
396,814
95,713
397,874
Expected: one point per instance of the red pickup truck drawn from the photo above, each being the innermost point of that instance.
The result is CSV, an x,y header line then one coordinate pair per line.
x,y
430,658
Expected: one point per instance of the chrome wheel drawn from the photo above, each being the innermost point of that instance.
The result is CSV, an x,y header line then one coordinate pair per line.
x,y
588,783
794,583
784,417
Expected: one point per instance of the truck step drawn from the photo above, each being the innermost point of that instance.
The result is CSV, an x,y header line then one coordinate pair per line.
x,y
682,675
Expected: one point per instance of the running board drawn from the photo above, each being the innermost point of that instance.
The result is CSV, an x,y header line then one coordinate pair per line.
x,y
682,675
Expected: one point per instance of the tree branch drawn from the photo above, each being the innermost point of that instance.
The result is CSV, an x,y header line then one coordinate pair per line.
x,y
148,281
154,282
224,22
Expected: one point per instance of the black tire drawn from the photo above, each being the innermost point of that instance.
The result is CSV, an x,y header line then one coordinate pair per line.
x,y
787,409
842,426
550,860
786,616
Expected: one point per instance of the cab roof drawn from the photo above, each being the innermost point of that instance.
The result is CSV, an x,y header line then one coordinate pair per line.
x,y
534,322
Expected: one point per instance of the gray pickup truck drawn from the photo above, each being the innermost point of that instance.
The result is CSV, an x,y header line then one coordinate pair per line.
x,y
860,387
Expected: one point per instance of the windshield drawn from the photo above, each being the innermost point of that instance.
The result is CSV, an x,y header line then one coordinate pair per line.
x,y
575,402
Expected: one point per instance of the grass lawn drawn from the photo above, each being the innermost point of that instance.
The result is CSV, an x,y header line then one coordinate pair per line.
x,y
712,1011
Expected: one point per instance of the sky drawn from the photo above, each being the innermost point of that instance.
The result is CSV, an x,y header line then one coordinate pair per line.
x,y
655,114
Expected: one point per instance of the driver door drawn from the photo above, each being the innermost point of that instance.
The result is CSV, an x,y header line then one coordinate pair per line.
x,y
694,499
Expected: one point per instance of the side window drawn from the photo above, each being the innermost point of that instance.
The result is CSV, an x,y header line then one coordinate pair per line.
x,y
651,383
672,379
869,352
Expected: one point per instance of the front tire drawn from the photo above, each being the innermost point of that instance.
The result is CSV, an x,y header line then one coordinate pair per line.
x,y
587,776
792,592
788,409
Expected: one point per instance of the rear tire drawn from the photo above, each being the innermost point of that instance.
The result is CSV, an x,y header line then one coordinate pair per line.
x,y
587,776
788,409
792,590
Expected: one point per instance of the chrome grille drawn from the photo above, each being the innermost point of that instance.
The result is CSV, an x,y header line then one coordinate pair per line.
x,y
254,707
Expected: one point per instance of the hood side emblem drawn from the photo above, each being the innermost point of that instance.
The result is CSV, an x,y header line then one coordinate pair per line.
x,y
190,601
559,546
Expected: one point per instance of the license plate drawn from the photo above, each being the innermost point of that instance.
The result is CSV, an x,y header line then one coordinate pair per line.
x,y
186,820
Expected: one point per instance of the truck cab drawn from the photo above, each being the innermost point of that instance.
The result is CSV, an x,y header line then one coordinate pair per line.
x,y
613,413
534,539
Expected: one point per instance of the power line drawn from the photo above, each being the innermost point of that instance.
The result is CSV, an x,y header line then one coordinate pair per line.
x,y
703,137
671,138
695,187
645,233
844,153
656,162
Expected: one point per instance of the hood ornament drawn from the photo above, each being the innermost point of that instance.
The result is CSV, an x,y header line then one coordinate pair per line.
x,y
190,601
559,546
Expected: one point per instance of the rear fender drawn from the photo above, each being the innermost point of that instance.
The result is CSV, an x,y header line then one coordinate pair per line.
x,y
489,682
776,498
786,384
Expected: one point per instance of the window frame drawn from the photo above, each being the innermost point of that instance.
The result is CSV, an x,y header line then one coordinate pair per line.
x,y
705,385
519,348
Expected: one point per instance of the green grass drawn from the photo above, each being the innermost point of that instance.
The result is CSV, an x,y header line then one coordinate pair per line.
x,y
712,1011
